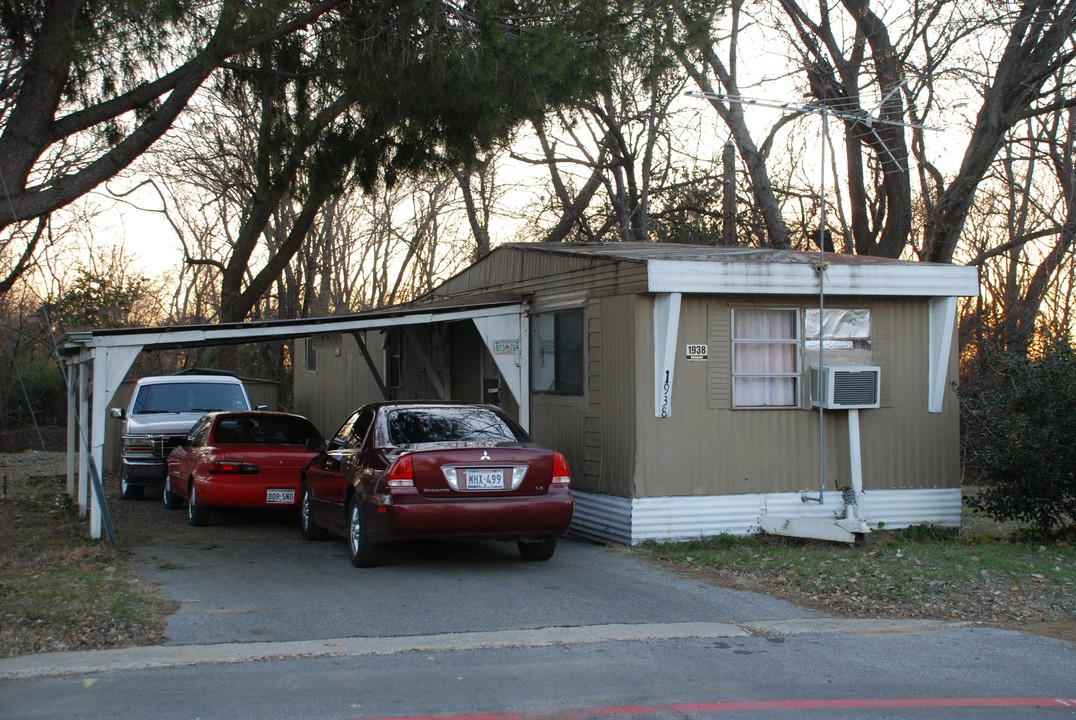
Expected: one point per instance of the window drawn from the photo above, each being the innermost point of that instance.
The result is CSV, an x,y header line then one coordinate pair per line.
x,y
765,358
360,429
557,361
436,425
847,335
311,356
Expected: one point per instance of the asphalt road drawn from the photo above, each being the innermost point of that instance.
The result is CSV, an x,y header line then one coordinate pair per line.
x,y
273,627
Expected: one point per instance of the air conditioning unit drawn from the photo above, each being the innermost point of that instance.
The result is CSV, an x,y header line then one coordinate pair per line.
x,y
845,387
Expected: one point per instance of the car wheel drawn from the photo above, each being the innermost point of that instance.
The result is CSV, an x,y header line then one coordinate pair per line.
x,y
363,553
171,500
308,528
127,490
541,550
198,514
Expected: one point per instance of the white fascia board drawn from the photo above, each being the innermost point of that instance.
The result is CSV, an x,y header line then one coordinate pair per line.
x,y
253,332
899,280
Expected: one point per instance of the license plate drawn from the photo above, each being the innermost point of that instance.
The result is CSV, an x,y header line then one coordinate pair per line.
x,y
274,497
485,479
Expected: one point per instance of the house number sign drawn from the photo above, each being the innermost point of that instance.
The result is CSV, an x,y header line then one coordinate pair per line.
x,y
697,352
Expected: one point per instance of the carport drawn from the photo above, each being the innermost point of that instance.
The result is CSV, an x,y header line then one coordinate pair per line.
x,y
97,362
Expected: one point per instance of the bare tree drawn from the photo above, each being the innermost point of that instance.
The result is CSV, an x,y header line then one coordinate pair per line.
x,y
696,46
617,166
1029,201
1029,78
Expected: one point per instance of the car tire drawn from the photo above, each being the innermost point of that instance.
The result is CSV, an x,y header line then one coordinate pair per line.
x,y
541,550
127,490
171,500
362,552
198,513
308,528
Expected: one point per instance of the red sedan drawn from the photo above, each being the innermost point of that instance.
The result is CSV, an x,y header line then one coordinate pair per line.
x,y
412,470
239,459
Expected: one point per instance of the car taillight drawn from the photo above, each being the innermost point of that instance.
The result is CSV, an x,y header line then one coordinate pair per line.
x,y
402,473
233,468
561,474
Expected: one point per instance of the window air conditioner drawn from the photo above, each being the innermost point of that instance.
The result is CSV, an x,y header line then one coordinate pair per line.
x,y
845,387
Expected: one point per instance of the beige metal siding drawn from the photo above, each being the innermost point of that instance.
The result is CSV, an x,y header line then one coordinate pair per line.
x,y
566,422
617,349
592,422
707,448
547,274
559,422
342,381
595,431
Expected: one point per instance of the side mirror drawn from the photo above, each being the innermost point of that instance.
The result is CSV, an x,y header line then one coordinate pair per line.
x,y
318,444
117,413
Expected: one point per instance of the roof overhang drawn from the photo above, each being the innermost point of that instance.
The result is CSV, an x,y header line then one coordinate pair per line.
x,y
899,279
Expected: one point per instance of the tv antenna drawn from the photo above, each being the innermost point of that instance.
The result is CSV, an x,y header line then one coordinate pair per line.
x,y
864,120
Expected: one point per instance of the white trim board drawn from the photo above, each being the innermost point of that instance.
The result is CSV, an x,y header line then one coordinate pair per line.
x,y
767,278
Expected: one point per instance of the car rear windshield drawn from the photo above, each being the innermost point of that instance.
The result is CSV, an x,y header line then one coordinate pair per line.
x,y
265,429
436,425
188,397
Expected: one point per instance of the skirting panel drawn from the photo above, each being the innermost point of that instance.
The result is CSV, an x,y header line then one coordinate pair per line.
x,y
606,518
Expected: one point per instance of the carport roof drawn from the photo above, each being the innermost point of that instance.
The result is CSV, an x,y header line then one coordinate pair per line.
x,y
166,337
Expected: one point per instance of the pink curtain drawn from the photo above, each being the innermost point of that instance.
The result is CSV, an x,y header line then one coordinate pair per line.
x,y
765,365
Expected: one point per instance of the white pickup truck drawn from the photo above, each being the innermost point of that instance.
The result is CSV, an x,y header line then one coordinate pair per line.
x,y
163,409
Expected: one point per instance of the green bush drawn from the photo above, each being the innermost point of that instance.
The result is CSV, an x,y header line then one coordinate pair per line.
x,y
1019,431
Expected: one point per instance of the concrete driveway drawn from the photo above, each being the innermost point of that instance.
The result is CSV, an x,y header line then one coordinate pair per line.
x,y
277,587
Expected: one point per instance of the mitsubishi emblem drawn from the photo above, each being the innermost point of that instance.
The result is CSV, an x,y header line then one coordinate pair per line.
x,y
485,456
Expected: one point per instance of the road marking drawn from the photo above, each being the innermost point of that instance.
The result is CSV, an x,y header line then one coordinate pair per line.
x,y
757,706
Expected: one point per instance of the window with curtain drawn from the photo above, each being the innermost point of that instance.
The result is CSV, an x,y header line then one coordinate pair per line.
x,y
765,358
557,361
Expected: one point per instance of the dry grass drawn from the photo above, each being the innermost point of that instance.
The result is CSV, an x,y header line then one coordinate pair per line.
x,y
985,573
60,590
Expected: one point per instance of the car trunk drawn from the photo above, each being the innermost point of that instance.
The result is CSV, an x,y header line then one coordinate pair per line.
x,y
486,471
278,463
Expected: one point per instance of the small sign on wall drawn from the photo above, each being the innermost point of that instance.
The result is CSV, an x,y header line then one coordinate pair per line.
x,y
506,347
698,352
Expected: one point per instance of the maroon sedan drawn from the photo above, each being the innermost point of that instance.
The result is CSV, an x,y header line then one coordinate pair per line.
x,y
403,470
239,459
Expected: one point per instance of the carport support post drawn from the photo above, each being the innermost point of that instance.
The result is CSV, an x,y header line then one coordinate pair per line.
x,y
72,410
110,366
83,420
